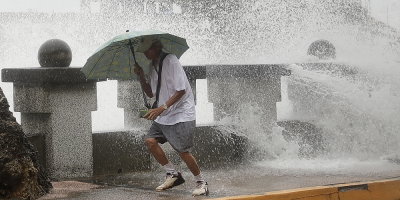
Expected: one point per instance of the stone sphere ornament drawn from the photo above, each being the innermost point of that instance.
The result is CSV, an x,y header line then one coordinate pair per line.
x,y
54,53
323,49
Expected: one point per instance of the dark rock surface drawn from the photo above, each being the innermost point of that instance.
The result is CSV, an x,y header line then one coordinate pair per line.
x,y
21,176
308,136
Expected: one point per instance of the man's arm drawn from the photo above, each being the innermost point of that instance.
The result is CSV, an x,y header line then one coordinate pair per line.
x,y
154,113
146,87
178,95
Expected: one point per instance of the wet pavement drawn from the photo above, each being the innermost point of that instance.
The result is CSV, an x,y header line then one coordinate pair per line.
x,y
230,181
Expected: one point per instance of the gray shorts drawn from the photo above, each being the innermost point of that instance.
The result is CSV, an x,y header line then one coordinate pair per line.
x,y
179,135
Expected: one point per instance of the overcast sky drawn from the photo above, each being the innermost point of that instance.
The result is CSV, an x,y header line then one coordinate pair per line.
x,y
387,11
40,5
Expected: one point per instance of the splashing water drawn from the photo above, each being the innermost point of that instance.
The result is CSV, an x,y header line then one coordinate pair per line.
x,y
358,112
357,109
266,141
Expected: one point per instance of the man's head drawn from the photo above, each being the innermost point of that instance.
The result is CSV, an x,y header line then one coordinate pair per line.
x,y
151,46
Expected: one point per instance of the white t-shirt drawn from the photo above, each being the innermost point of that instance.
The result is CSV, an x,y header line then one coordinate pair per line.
x,y
173,78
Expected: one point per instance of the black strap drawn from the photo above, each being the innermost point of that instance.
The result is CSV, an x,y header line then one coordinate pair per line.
x,y
155,105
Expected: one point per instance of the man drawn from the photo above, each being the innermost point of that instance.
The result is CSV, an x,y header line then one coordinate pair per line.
x,y
174,116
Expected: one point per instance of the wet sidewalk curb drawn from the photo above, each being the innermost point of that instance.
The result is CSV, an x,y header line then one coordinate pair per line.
x,y
388,189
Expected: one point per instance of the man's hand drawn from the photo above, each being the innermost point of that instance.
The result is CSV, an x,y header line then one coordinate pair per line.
x,y
154,113
138,70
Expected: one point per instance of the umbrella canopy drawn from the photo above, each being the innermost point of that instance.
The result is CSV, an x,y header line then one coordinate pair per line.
x,y
115,59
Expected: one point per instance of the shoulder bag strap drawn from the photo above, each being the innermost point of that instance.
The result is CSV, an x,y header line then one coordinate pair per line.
x,y
159,79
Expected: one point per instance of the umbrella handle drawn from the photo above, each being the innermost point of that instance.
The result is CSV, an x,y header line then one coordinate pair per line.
x,y
144,95
132,50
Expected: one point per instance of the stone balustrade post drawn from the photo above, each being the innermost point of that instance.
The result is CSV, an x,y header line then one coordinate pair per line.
x,y
245,91
57,102
130,98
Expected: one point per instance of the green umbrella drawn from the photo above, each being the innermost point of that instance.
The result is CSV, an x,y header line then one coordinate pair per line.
x,y
115,59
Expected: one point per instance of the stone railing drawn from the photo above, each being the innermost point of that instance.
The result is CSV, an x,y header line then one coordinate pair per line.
x,y
56,105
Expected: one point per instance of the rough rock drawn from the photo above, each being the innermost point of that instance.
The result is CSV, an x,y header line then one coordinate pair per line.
x,y
308,136
21,176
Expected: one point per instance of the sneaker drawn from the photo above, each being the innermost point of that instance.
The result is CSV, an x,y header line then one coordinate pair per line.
x,y
170,182
201,189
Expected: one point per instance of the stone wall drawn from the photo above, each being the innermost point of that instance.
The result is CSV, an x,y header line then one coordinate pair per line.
x,y
126,151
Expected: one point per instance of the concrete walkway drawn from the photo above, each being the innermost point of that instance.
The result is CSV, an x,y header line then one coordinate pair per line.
x,y
243,180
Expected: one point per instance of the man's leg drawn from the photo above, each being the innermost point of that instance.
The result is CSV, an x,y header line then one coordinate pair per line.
x,y
156,150
190,162
173,178
202,186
